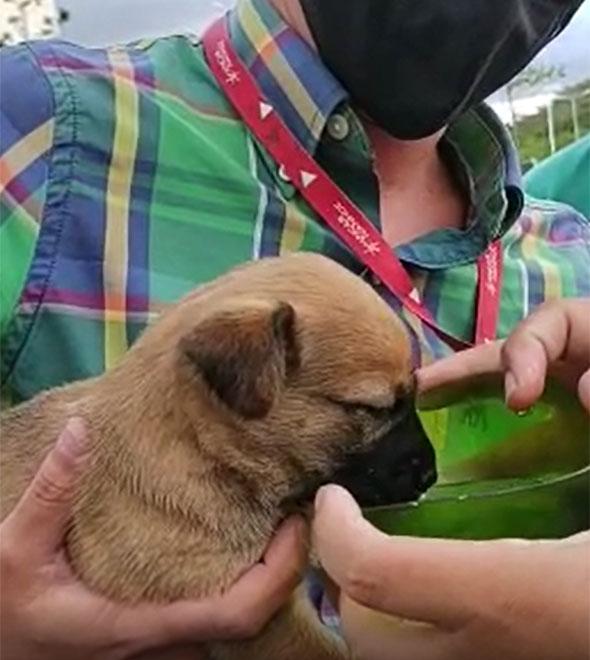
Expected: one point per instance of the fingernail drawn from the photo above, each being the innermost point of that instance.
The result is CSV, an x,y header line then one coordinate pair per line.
x,y
296,524
73,438
321,496
333,492
510,385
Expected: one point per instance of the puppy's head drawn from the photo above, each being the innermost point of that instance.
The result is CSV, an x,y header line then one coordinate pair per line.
x,y
308,373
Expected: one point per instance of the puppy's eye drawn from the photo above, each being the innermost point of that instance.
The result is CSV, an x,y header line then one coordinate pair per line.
x,y
359,407
367,409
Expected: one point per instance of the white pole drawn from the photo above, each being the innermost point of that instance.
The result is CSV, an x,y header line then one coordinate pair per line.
x,y
575,120
551,127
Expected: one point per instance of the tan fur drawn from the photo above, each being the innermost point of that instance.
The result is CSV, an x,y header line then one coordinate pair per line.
x,y
188,479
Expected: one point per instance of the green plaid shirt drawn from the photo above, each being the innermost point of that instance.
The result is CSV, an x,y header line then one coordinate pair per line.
x,y
127,180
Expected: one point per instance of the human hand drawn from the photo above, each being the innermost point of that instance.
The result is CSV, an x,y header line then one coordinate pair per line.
x,y
555,338
460,600
46,613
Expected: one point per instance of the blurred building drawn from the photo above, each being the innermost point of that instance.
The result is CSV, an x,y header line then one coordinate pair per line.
x,y
28,19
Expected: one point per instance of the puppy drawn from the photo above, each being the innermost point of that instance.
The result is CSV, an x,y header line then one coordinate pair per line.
x,y
223,418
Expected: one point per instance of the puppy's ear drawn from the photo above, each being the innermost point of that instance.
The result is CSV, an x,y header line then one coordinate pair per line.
x,y
245,353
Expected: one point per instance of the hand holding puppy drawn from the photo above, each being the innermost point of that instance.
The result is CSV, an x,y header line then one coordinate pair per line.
x,y
47,614
464,599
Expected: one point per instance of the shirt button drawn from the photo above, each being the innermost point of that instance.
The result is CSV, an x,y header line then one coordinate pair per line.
x,y
338,127
283,174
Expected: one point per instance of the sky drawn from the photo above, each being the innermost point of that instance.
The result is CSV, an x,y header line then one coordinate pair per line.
x,y
100,22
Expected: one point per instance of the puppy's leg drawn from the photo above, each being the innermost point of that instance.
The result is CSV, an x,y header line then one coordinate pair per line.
x,y
294,634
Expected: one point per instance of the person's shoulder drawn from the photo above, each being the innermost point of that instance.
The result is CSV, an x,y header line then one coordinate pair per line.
x,y
546,256
556,221
44,78
26,99
554,224
549,212
33,86
60,56
170,65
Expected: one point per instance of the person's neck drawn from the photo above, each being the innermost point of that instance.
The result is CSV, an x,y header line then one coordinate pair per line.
x,y
417,192
399,164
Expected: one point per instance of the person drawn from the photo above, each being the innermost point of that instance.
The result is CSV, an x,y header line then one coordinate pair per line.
x,y
498,599
128,179
563,176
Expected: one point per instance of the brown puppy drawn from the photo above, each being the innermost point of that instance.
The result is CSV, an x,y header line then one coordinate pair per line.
x,y
225,416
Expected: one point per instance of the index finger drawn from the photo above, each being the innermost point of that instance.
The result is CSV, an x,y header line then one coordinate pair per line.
x,y
447,379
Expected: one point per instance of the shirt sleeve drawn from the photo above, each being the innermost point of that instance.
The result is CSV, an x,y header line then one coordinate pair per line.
x,y
26,135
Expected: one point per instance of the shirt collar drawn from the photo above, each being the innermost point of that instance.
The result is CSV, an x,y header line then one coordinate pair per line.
x,y
483,151
288,71
305,94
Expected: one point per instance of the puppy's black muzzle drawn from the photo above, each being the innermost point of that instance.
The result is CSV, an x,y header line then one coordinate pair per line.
x,y
399,468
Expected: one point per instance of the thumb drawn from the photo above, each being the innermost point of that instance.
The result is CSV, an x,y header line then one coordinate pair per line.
x,y
460,369
39,520
430,580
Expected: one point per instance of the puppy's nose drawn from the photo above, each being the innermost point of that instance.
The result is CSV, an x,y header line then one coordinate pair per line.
x,y
398,469
423,471
415,460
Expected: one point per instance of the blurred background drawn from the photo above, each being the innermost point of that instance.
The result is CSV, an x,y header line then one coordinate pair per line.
x,y
546,107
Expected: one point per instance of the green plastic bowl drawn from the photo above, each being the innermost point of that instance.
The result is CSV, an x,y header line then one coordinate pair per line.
x,y
501,474
548,507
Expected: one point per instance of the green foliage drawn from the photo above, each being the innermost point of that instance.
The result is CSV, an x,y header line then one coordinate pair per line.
x,y
532,132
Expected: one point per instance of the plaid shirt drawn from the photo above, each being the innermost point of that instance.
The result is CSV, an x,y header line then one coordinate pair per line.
x,y
127,180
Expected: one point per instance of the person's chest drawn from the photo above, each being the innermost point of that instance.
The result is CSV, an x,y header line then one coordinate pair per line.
x,y
164,189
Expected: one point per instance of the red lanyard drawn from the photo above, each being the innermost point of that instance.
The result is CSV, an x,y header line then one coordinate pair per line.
x,y
332,204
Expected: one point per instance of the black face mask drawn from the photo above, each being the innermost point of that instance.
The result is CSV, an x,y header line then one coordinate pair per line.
x,y
415,65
